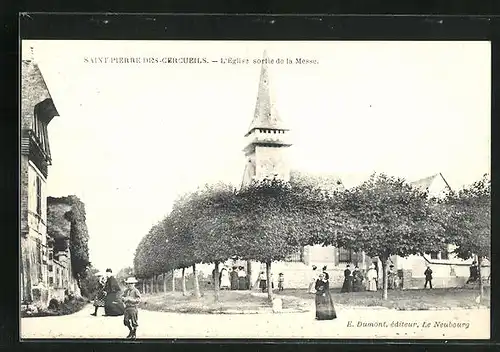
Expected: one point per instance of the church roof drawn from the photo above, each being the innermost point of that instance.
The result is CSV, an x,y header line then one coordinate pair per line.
x,y
266,114
326,181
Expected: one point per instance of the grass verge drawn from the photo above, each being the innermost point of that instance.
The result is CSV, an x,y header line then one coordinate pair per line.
x,y
448,298
229,302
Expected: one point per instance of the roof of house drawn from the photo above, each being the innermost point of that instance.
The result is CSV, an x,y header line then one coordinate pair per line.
x,y
34,90
266,114
427,182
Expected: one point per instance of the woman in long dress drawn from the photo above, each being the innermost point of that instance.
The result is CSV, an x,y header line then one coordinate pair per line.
x,y
347,285
324,304
100,296
263,281
225,284
357,284
371,276
313,279
234,278
113,304
242,279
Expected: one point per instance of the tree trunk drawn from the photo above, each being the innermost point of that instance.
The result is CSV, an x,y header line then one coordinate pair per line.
x,y
183,282
249,274
196,283
269,282
143,286
480,277
173,279
216,281
164,282
384,277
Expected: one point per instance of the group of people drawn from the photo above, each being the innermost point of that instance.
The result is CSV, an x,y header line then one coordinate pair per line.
x,y
108,296
234,278
356,280
262,281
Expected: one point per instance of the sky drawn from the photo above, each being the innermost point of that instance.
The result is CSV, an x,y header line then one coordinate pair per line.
x,y
130,138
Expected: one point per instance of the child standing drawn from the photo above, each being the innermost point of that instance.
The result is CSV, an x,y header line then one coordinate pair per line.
x,y
262,281
281,279
131,298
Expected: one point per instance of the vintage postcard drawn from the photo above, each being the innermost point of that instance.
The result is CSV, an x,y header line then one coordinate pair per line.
x,y
254,189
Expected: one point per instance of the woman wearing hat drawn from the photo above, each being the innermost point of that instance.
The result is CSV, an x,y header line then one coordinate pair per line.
x,y
371,276
113,305
323,299
99,296
314,277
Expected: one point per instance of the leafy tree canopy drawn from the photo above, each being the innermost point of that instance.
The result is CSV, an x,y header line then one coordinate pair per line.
x,y
466,216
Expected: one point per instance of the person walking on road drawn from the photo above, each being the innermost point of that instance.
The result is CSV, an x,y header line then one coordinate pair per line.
x,y
113,305
100,295
323,299
428,277
131,298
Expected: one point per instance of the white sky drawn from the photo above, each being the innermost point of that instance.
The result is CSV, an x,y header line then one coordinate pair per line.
x,y
130,138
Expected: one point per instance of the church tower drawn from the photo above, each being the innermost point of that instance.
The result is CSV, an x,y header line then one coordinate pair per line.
x,y
267,139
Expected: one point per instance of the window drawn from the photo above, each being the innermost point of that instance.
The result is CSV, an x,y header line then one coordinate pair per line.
x,y
50,268
39,259
348,256
298,256
443,255
51,280
38,196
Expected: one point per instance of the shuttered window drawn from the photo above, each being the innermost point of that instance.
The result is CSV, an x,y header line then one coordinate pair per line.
x,y
38,196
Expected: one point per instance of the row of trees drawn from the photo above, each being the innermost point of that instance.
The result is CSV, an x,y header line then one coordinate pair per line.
x,y
270,220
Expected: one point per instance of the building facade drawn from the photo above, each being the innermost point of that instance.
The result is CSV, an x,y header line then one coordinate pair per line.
x,y
267,144
40,268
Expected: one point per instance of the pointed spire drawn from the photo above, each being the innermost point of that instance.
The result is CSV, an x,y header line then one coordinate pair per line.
x,y
266,114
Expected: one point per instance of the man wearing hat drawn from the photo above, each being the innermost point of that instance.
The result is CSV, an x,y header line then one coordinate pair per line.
x,y
131,298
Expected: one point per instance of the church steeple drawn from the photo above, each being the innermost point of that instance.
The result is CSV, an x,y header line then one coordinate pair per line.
x,y
267,136
267,127
266,114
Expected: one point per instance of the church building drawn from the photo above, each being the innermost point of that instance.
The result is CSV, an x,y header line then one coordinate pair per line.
x,y
268,143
